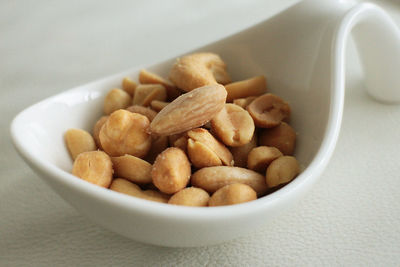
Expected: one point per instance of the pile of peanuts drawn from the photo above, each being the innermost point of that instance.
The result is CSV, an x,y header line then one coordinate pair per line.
x,y
196,140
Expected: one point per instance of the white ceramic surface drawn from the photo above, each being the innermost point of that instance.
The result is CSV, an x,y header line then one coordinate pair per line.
x,y
301,52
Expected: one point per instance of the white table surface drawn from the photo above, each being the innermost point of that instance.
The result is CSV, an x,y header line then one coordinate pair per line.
x,y
351,217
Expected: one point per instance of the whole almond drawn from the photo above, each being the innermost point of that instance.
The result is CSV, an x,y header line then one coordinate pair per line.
x,y
189,110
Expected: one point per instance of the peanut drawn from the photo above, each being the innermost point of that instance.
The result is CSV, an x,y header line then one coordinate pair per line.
x,y
283,137
94,167
233,125
132,168
201,156
158,105
232,194
125,133
171,170
146,77
213,178
189,110
200,69
268,110
129,86
181,143
240,153
145,93
125,187
260,157
96,130
190,196
244,102
79,141
251,87
116,99
148,112
158,145
282,170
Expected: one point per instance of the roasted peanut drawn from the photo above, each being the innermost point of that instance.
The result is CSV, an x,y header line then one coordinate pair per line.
x,y
181,143
260,157
233,125
129,86
158,105
282,170
158,145
196,70
146,77
251,87
132,168
244,102
148,112
232,194
171,170
205,151
116,99
79,141
94,167
145,93
213,178
125,187
190,196
240,153
268,110
283,137
96,130
189,110
125,132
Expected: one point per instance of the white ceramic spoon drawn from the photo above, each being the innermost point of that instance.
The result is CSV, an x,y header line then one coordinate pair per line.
x,y
301,51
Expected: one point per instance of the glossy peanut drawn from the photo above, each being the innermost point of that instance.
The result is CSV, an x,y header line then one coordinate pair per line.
x,y
145,93
282,170
260,157
268,110
282,137
232,194
171,170
79,141
116,99
233,125
251,87
125,132
132,168
94,167
213,178
126,187
190,196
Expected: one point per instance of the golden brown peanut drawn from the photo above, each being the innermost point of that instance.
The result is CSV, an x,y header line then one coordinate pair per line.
x,y
158,105
282,170
148,112
190,196
240,153
171,170
125,187
268,110
132,168
125,133
94,167
145,93
232,194
181,143
116,99
283,137
158,145
96,130
146,77
189,110
213,178
200,155
196,70
129,86
79,141
244,102
204,137
233,125
251,87
172,138
260,157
